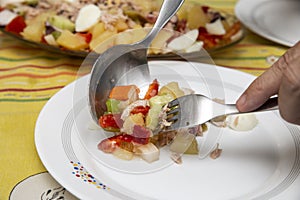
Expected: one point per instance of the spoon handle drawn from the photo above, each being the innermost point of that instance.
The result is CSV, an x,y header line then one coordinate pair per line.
x,y
167,11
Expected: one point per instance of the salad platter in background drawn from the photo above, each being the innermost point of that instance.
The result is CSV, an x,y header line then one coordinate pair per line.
x,y
79,27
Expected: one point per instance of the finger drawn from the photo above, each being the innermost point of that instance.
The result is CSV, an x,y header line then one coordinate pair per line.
x,y
262,87
289,91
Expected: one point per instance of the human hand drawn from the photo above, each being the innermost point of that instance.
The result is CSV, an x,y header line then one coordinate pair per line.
x,y
282,78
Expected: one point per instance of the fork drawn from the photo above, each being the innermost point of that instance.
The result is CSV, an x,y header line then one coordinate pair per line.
x,y
195,109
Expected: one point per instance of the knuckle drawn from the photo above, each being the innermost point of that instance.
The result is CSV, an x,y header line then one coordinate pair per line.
x,y
293,84
292,80
291,69
290,118
259,86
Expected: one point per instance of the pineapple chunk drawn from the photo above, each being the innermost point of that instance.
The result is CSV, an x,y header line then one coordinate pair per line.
x,y
160,41
124,38
34,31
121,25
148,152
35,28
123,154
71,41
171,88
98,29
103,41
183,10
131,121
138,34
196,17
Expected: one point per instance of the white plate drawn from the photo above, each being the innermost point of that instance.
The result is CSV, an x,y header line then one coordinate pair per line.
x,y
276,20
263,163
45,187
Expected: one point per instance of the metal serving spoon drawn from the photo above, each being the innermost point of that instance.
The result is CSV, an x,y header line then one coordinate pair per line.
x,y
123,64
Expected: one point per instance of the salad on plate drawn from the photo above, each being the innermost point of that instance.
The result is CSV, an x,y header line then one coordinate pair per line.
x,y
139,124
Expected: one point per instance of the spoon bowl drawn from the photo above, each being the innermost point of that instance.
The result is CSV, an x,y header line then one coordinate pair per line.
x,y
125,64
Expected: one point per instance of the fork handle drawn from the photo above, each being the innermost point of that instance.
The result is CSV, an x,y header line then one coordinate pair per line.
x,y
270,104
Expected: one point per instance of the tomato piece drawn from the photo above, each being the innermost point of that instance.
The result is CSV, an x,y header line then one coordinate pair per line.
x,y
111,122
87,36
140,109
210,41
43,40
16,25
118,139
140,135
123,141
152,90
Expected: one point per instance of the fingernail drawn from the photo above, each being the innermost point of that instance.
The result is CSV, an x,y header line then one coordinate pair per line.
x,y
242,101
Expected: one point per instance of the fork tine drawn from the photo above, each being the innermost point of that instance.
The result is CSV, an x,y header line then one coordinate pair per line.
x,y
172,119
174,111
173,103
173,126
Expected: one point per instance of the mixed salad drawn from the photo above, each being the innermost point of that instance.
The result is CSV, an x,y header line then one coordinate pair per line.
x,y
138,123
82,25
135,120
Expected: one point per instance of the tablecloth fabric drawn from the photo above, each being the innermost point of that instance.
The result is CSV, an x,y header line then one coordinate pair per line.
x,y
29,77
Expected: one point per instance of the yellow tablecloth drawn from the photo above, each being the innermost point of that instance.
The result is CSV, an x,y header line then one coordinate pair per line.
x,y
30,76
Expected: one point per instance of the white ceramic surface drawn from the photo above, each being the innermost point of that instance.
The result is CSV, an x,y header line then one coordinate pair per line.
x,y
276,20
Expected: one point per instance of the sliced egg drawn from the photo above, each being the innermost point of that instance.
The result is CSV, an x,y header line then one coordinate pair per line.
x,y
242,122
184,41
6,17
215,28
87,17
197,46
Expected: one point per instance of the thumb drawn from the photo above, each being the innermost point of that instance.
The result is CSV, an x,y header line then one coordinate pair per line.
x,y
261,88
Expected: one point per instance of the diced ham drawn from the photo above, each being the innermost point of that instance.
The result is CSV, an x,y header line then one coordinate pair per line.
x,y
141,134
107,146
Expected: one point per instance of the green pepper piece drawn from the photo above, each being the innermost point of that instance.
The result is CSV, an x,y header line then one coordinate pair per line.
x,y
113,106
